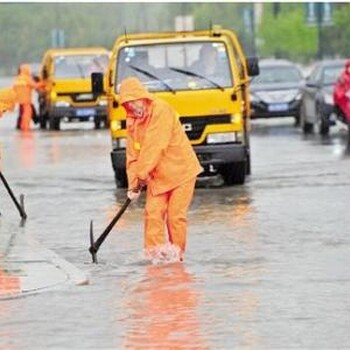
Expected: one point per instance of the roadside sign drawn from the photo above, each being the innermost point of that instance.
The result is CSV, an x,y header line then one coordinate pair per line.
x,y
319,13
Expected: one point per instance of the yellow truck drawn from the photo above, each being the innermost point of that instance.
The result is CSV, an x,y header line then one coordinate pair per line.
x,y
204,75
67,96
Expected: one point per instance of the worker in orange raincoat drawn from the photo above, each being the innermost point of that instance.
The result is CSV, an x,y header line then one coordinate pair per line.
x,y
7,102
23,86
159,156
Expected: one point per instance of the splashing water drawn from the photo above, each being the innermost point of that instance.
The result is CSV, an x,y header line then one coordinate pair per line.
x,y
164,254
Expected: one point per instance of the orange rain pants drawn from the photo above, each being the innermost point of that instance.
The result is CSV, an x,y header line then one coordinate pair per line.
x,y
170,208
26,116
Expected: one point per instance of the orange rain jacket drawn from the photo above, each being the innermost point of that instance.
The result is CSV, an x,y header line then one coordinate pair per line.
x,y
157,146
24,85
7,100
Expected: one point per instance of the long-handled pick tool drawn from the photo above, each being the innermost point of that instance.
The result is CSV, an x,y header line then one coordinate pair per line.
x,y
20,206
95,245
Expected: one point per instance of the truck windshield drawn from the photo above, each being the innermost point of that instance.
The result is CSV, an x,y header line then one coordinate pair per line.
x,y
79,66
180,66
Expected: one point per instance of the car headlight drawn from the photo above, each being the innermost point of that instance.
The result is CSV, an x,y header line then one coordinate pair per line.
x,y
236,118
298,96
328,98
254,98
62,104
102,103
222,137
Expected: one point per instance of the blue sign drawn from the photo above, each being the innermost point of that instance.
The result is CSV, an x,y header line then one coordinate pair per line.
x,y
319,13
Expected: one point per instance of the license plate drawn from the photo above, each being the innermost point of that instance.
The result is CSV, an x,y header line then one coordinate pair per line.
x,y
277,107
86,112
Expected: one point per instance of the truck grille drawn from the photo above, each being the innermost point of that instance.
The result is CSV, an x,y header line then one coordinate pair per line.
x,y
194,126
80,97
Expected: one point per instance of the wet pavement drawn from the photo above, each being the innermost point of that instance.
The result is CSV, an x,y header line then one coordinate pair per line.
x,y
267,265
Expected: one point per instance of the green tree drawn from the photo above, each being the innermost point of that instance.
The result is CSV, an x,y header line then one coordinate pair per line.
x,y
287,34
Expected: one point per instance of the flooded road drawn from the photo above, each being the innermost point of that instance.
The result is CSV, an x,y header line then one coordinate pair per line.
x,y
267,265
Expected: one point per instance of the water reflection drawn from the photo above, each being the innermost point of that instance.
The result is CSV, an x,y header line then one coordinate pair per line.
x,y
26,149
10,283
163,310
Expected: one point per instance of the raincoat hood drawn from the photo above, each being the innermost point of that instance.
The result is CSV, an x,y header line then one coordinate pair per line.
x,y
131,89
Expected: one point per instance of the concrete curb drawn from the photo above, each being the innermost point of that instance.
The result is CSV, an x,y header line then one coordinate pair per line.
x,y
29,268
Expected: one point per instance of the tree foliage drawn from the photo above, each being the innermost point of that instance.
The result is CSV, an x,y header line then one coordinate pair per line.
x,y
26,28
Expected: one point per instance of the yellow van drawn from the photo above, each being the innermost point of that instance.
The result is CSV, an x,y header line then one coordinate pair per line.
x,y
205,76
67,96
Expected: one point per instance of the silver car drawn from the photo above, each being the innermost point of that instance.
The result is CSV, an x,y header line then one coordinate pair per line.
x,y
317,106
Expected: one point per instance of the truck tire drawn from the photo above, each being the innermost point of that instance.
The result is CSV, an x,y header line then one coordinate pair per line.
x,y
97,122
121,179
234,173
43,121
54,123
248,165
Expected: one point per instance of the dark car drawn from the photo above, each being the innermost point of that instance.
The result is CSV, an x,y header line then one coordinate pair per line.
x,y
317,108
276,91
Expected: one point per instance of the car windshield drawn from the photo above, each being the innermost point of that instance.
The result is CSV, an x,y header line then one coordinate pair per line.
x,y
278,74
180,66
331,74
79,66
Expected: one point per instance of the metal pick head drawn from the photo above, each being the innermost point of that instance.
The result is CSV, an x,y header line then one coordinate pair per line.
x,y
92,248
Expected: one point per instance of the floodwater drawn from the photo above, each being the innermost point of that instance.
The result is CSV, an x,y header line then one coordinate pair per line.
x,y
267,265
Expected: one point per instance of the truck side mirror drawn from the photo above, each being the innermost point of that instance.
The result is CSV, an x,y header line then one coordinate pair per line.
x,y
252,66
97,83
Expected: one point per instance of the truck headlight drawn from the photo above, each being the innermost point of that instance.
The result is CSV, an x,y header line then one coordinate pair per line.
x,y
236,118
102,103
115,125
62,104
221,137
53,95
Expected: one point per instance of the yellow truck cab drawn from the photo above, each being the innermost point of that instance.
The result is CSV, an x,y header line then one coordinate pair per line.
x,y
204,76
67,96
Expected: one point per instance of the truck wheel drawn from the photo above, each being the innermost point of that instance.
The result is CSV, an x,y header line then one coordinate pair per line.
x,y
43,121
248,165
54,123
97,122
121,179
107,122
234,173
